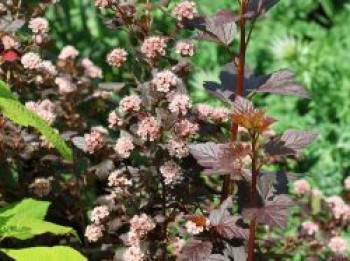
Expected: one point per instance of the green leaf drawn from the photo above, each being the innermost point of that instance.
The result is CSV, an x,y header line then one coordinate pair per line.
x,y
19,114
31,208
25,220
57,253
22,227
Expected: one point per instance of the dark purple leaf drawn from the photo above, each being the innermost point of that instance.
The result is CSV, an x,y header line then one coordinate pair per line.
x,y
222,27
196,250
9,25
273,213
217,257
112,86
290,143
79,142
258,7
283,82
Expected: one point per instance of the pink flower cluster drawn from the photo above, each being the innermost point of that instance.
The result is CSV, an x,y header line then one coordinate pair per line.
x,y
130,103
31,61
185,128
301,186
185,10
185,48
94,232
339,208
114,120
91,70
194,229
163,81
68,52
124,146
116,57
134,253
39,25
104,3
95,140
119,183
149,129
153,47
309,228
347,183
338,245
178,147
99,214
65,85
45,109
9,42
179,104
209,113
171,172
140,225
48,67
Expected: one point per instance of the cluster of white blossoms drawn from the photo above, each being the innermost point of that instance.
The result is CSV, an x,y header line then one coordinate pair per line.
x,y
179,104
149,129
338,245
114,120
164,81
340,209
209,113
104,3
178,147
96,140
68,52
31,61
39,25
45,109
171,172
65,84
185,48
194,228
185,10
116,57
91,70
124,146
9,42
130,103
99,214
310,228
185,128
153,47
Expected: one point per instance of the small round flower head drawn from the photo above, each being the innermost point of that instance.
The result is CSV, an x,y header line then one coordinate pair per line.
x,y
171,172
31,60
91,70
95,140
179,104
39,25
185,128
220,115
48,67
9,42
130,103
185,10
94,232
178,147
45,109
153,47
185,48
114,120
104,3
65,85
301,186
99,214
115,179
204,112
141,224
149,129
68,52
192,228
347,183
134,253
338,245
339,208
310,228
117,57
163,81
124,146
41,187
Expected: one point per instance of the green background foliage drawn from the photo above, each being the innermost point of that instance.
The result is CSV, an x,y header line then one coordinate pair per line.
x,y
310,37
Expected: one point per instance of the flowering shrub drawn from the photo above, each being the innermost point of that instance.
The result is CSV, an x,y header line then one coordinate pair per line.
x,y
171,179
